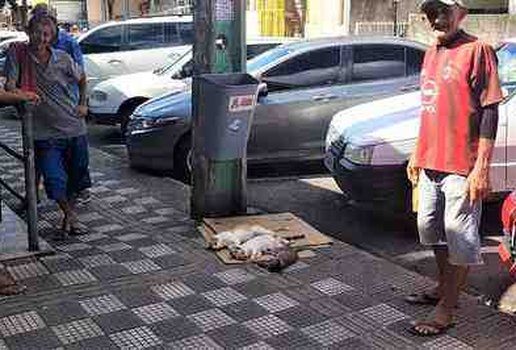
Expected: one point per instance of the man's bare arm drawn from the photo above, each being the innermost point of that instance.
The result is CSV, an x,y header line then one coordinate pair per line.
x,y
83,102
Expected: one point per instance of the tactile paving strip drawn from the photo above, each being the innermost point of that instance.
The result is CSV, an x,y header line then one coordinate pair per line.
x,y
196,342
327,333
20,272
276,302
102,305
384,314
155,313
446,342
234,276
136,338
141,266
332,286
70,278
172,290
211,319
76,331
20,323
97,260
157,250
267,326
224,296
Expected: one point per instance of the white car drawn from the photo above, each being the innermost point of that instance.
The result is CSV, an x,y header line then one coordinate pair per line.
x,y
134,45
113,101
368,146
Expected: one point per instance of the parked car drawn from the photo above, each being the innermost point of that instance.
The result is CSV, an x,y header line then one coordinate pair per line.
x,y
12,34
114,100
368,146
307,82
134,45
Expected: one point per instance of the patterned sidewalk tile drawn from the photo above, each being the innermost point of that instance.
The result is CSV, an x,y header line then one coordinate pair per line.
x,y
196,342
155,313
235,276
268,326
384,314
258,346
136,209
69,278
92,237
114,199
35,269
131,237
446,342
108,228
147,201
327,333
20,323
74,247
234,336
136,338
224,296
77,331
141,266
127,190
157,250
114,247
102,305
172,290
89,217
211,319
332,286
97,260
155,220
276,302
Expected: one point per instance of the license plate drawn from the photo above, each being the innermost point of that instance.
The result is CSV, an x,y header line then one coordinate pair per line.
x,y
329,161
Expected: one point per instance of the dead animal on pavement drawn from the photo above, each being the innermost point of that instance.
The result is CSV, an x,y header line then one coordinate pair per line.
x,y
279,259
238,236
257,246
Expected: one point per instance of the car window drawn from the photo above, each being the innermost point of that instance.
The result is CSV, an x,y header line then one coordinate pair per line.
x,y
145,35
414,61
373,62
254,50
172,34
314,68
186,33
507,64
108,39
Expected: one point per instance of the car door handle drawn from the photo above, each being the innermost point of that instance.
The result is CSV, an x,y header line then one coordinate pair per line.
x,y
114,61
408,88
324,97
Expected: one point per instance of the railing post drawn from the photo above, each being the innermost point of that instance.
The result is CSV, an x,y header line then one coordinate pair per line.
x,y
30,176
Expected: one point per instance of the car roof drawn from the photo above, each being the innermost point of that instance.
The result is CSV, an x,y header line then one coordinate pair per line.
x,y
352,39
156,19
509,40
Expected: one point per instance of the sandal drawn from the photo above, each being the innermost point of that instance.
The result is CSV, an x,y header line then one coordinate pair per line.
x,y
422,299
429,328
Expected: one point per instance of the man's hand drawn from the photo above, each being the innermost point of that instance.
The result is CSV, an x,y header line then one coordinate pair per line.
x,y
29,96
83,111
479,185
413,170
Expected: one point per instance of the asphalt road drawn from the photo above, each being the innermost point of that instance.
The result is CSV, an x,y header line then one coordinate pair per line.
x,y
309,192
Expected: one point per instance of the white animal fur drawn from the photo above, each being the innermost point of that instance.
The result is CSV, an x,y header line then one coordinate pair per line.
x,y
239,235
257,246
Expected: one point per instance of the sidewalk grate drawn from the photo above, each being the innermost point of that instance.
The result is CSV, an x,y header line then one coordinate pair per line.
x,y
102,305
211,319
21,323
157,250
332,286
384,314
70,278
446,342
224,296
327,333
268,326
131,237
235,276
196,342
97,260
136,209
136,338
141,266
76,331
276,302
172,290
115,247
155,313
24,271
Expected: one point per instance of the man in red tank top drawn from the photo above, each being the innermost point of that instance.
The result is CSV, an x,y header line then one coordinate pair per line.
x,y
460,93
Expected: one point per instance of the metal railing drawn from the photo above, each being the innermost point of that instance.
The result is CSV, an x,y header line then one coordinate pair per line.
x,y
381,28
27,157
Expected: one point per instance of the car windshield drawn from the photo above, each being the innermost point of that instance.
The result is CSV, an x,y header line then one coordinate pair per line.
x,y
174,63
266,58
506,54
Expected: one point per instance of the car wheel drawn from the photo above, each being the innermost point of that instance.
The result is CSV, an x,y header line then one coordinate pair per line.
x,y
183,160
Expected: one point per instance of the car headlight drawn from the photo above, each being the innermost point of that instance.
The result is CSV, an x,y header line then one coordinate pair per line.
x,y
157,122
98,95
361,155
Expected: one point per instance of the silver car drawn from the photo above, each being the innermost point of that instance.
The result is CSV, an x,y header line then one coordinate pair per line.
x,y
307,83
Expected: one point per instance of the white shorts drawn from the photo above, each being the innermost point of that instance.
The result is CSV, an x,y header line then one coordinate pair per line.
x,y
446,216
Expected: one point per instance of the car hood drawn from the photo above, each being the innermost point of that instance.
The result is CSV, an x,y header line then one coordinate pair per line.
x,y
177,104
393,119
146,84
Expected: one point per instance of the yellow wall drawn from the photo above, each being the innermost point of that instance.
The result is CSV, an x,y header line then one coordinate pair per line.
x,y
326,20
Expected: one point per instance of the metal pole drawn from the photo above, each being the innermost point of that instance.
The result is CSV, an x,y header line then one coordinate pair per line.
x,y
30,177
395,7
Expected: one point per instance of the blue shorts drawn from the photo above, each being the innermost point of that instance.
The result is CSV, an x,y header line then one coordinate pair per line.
x,y
446,217
64,166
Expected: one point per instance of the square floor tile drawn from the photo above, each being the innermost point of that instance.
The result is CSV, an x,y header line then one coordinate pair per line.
x,y
97,260
175,329
141,266
89,217
23,271
115,247
245,310
62,312
384,314
75,331
446,342
70,278
261,345
136,338
301,316
155,220
155,312
332,286
276,302
211,319
92,237
21,323
234,336
108,228
135,209
109,272
157,250
102,305
196,342
131,237
327,333
235,276
267,326
43,338
118,321
224,296
73,247
172,290
190,304
136,297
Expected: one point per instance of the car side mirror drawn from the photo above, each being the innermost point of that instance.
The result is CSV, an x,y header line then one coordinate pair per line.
x,y
262,89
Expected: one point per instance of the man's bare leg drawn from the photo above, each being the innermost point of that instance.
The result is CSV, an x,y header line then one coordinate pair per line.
x,y
69,216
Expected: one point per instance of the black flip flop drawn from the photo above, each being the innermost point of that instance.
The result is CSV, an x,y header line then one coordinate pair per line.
x,y
422,299
438,328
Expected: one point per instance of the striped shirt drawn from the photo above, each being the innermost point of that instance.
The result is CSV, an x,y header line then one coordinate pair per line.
x,y
56,84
